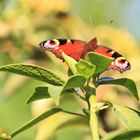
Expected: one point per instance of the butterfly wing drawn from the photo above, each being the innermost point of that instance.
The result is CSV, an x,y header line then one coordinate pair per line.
x,y
72,48
77,49
120,63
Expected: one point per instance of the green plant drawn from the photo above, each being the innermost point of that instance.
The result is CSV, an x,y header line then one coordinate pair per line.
x,y
84,76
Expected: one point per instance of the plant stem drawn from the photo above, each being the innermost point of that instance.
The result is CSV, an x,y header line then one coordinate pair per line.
x,y
93,118
81,97
73,113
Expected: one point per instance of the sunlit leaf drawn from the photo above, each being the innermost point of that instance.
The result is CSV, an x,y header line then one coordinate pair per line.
x,y
36,120
125,82
123,135
85,68
100,61
35,72
54,92
70,62
129,116
74,122
45,92
40,92
74,82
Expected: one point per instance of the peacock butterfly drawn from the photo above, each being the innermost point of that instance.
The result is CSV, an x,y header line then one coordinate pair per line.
x,y
77,49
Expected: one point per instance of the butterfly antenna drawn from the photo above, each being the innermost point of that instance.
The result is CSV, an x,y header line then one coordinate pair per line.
x,y
111,21
90,20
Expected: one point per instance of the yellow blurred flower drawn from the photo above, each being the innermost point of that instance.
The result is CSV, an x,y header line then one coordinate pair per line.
x,y
5,29
47,6
118,39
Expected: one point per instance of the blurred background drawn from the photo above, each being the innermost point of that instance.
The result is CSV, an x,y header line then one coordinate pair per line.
x,y
25,23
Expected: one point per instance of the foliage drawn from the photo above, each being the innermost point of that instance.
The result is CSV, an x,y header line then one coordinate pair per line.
x,y
25,23
87,82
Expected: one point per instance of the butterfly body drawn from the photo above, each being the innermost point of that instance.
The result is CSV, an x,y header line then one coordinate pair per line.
x,y
78,49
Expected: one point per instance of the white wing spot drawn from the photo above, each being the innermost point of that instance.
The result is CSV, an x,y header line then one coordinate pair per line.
x,y
60,50
68,41
56,48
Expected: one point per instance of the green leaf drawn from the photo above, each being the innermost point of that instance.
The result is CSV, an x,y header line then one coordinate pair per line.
x,y
123,135
74,82
40,92
85,68
125,82
70,62
36,120
55,92
129,116
74,122
100,61
35,72
90,91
